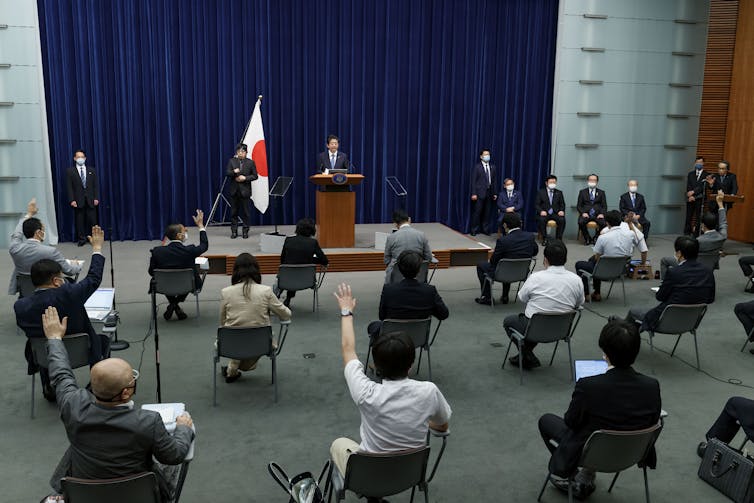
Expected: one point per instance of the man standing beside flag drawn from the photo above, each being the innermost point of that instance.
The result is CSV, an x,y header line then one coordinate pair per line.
x,y
241,172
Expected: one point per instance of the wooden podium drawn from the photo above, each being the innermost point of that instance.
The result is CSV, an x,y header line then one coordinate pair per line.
x,y
336,210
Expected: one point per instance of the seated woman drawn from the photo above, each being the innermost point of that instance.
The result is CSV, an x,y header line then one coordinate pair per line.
x,y
302,248
247,303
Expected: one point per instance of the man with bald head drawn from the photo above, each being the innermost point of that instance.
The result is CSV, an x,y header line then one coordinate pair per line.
x,y
109,436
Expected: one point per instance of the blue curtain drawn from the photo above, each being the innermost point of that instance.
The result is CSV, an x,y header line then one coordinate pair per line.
x,y
158,92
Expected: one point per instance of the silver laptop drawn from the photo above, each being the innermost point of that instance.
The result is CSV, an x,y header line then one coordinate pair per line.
x,y
100,303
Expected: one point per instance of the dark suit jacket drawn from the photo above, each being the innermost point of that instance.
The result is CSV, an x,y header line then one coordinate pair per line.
x,y
584,204
341,161
479,180
248,169
302,250
69,300
620,399
411,300
516,244
543,201
688,283
640,207
517,201
692,183
76,191
729,185
176,255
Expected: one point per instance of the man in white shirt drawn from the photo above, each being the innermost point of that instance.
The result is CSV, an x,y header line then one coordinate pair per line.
x,y
404,238
614,242
554,290
395,414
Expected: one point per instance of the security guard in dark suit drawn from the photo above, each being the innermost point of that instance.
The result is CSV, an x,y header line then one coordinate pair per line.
x,y
241,172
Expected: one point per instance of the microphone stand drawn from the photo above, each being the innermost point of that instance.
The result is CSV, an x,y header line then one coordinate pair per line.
x,y
115,344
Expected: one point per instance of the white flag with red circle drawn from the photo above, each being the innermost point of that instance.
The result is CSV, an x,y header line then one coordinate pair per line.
x,y
254,140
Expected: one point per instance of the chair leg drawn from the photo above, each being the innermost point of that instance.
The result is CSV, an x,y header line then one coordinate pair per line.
x,y
623,285
33,386
196,296
419,363
609,489
542,491
366,365
610,290
696,350
214,382
274,379
507,352
552,358
426,493
429,365
646,484
746,341
520,365
571,370
570,490
492,296
676,344
413,490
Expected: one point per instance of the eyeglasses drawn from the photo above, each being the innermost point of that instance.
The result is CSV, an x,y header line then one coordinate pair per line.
x,y
131,385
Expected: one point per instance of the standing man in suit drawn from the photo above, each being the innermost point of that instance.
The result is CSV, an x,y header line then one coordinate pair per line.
x,y
409,299
331,158
302,248
68,298
694,181
404,238
550,205
592,205
514,243
241,171
726,181
178,255
83,195
483,193
632,204
619,399
27,247
687,283
509,200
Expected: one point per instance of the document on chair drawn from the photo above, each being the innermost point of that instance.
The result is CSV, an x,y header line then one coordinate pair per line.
x,y
589,368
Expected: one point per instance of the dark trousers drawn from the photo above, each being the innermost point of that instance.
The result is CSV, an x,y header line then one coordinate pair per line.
x,y
481,213
542,224
645,225
483,269
745,314
518,322
552,428
588,266
745,263
692,211
85,218
584,231
239,206
737,411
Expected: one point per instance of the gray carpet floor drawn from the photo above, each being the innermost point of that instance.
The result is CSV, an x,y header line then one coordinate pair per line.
x,y
494,452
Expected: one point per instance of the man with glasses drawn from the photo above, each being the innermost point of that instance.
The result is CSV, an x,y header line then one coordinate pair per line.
x,y
109,436
52,289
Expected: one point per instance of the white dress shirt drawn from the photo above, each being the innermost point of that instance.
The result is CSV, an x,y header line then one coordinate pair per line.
x,y
554,290
618,241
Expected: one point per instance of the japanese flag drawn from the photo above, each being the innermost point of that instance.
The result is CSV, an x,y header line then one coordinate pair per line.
x,y
254,139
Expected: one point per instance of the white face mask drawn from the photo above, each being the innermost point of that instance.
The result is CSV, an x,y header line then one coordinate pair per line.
x,y
509,187
591,185
632,188
552,186
80,161
486,158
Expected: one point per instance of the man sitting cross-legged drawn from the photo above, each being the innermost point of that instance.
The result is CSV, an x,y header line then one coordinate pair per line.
x,y
395,414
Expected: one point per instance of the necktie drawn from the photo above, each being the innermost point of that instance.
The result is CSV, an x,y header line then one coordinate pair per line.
x,y
550,198
633,200
82,174
487,172
332,161
591,195
510,195
549,212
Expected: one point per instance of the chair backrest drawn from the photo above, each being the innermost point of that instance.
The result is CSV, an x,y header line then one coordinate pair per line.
x,y
417,330
550,327
24,286
609,268
611,451
174,282
709,260
241,343
680,318
511,270
421,276
379,475
295,277
76,345
141,487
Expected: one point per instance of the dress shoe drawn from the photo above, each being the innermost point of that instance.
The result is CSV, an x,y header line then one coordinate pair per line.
x,y
233,234
483,300
224,371
751,351
232,378
530,361
180,313
749,290
596,297
81,243
169,312
49,393
513,360
472,234
287,302
245,234
701,448
580,490
504,299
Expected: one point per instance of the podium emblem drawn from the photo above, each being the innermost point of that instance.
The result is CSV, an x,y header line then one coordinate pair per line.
x,y
339,178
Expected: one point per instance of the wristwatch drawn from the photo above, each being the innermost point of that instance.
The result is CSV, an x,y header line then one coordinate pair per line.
x,y
346,312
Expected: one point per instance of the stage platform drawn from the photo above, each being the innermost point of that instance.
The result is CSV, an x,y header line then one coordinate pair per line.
x,y
451,248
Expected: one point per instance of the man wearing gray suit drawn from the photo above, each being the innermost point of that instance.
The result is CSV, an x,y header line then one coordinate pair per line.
x,y
27,247
402,239
109,436
712,238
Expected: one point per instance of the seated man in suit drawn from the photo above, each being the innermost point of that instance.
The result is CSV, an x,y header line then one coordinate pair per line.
x,y
397,413
509,200
613,241
632,205
514,243
331,158
404,238
714,232
27,247
744,311
725,181
68,299
302,248
177,255
409,299
687,283
745,264
619,399
550,205
737,413
592,205
554,290
110,437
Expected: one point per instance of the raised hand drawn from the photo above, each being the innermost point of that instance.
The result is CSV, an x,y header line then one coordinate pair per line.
x,y
53,327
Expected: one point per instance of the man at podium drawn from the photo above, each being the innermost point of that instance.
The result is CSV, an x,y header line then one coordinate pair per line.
x,y
331,158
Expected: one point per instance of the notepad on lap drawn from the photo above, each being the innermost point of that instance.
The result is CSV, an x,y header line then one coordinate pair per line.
x,y
168,412
589,368
100,303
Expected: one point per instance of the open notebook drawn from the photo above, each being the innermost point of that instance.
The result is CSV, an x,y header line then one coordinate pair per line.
x,y
100,303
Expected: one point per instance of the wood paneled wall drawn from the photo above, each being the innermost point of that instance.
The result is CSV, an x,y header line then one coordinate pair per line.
x,y
739,138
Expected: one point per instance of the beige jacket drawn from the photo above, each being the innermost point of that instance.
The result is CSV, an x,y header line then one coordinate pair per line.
x,y
238,311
